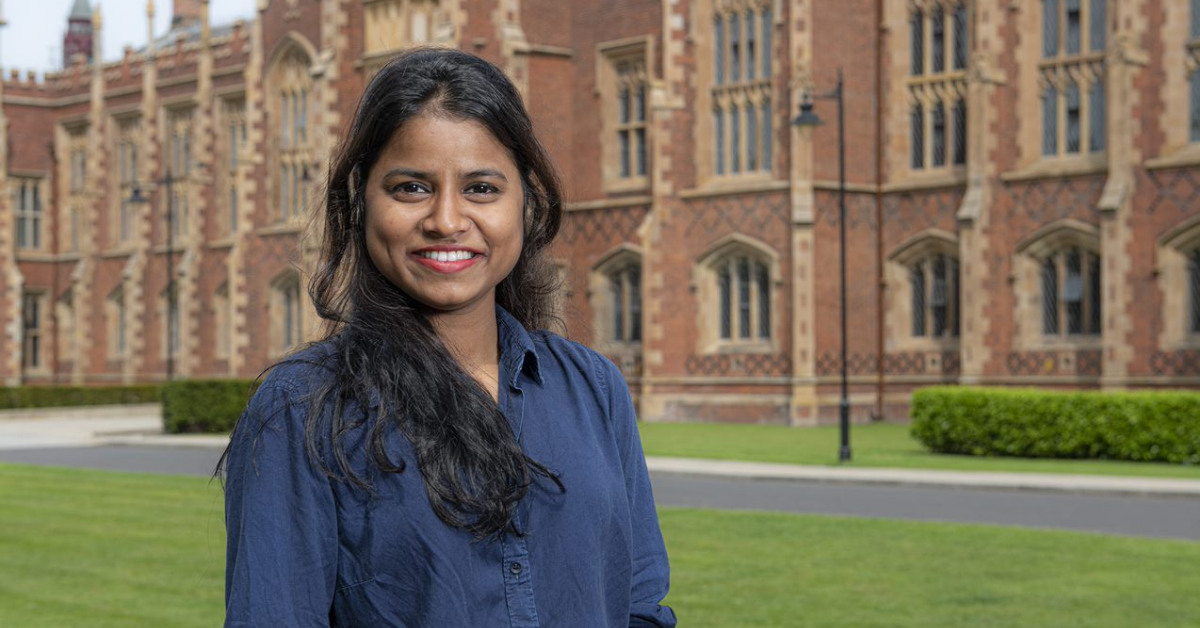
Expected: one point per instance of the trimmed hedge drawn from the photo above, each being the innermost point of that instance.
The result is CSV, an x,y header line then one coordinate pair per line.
x,y
64,396
198,405
1138,426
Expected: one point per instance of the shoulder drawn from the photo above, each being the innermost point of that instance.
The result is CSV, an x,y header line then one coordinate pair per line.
x,y
302,372
289,385
574,360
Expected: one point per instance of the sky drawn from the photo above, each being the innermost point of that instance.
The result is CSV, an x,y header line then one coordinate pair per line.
x,y
32,40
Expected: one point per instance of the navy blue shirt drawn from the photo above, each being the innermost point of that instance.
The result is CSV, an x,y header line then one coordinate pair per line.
x,y
306,550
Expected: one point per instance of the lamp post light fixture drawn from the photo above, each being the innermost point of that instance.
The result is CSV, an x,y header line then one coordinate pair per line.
x,y
137,198
808,119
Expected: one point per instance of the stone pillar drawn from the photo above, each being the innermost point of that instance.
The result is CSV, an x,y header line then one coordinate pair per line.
x,y
974,217
1124,59
238,284
804,404
12,283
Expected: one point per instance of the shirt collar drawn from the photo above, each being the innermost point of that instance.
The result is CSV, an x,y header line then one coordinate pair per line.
x,y
517,353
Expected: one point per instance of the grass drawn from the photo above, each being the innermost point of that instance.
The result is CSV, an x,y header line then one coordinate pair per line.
x,y
737,569
873,445
100,549
97,549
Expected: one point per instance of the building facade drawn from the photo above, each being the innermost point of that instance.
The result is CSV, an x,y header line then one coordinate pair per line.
x,y
1023,192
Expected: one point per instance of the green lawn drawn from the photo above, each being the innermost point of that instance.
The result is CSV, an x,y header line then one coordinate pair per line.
x,y
96,549
873,445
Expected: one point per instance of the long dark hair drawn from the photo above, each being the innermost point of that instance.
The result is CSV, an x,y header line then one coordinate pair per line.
x,y
385,349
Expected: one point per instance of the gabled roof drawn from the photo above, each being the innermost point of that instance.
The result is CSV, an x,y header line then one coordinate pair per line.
x,y
81,11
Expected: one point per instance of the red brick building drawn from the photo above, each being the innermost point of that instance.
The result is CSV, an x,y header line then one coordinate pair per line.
x,y
1023,188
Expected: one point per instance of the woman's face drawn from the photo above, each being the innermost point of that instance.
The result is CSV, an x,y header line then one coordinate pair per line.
x,y
444,219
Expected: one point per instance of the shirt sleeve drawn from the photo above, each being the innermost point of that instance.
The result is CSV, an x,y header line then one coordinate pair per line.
x,y
280,520
651,572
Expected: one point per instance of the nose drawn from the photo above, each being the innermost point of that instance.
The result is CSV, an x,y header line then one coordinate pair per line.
x,y
445,217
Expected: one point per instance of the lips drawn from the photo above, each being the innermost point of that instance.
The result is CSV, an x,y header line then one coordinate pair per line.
x,y
446,259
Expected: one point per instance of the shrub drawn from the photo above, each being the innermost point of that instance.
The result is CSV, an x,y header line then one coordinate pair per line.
x,y
199,405
1139,426
63,396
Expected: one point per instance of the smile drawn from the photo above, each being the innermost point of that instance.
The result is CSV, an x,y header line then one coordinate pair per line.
x,y
446,256
447,262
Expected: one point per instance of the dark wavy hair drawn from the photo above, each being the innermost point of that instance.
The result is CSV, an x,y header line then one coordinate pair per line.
x,y
385,350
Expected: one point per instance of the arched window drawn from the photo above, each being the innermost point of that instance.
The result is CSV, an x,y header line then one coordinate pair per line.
x,y
934,281
1177,269
1070,278
286,307
735,291
291,105
744,286
616,298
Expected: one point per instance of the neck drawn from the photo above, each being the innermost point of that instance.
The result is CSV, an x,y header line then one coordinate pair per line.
x,y
472,337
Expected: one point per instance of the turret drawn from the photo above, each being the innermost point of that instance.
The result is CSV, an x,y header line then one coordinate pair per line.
x,y
78,40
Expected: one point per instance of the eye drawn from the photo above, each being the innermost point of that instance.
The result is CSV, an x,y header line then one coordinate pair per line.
x,y
409,188
481,189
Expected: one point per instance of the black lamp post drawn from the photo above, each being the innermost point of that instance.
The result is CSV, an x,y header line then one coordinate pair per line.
x,y
808,118
172,305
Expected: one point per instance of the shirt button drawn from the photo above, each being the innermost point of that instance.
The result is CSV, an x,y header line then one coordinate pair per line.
x,y
515,568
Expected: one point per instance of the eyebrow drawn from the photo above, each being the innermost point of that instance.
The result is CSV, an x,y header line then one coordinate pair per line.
x,y
418,174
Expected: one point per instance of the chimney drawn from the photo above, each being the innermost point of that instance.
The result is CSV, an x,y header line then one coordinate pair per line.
x,y
186,13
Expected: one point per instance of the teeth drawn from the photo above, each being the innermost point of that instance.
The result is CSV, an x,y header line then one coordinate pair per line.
x,y
447,256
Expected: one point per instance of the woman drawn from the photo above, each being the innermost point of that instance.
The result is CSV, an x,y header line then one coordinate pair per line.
x,y
438,459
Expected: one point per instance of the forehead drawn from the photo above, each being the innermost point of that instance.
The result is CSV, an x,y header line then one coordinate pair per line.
x,y
435,139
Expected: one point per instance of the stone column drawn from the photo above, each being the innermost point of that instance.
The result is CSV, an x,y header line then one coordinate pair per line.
x,y
1124,59
804,404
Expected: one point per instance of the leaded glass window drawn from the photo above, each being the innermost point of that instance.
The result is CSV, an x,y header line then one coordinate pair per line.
x,y
939,53
742,88
1194,117
1050,121
933,282
939,135
960,132
938,41
1096,121
917,281
960,37
744,299
918,137
719,136
1074,36
1071,291
1194,289
917,38
625,288
27,204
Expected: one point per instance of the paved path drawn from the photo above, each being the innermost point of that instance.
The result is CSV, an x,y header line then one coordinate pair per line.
x,y
1128,506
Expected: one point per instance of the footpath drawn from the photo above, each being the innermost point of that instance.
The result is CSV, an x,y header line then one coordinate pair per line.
x,y
141,426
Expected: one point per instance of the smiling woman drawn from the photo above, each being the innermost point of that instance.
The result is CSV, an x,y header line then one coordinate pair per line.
x,y
444,214
439,459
